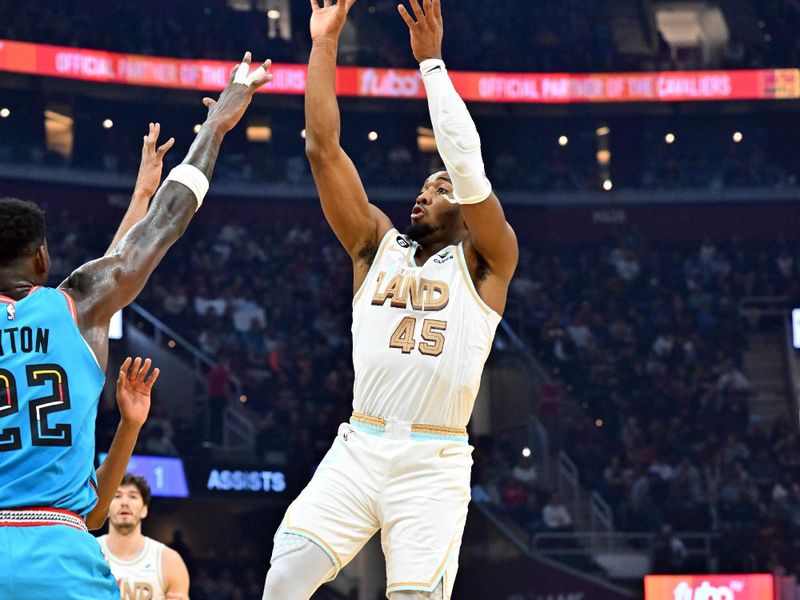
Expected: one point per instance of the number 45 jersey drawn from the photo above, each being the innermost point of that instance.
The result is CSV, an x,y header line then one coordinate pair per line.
x,y
50,384
421,336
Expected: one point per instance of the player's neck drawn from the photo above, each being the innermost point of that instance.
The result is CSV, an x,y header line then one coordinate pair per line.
x,y
13,286
125,546
429,247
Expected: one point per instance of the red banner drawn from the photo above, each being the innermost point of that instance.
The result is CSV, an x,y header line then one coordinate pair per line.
x,y
211,75
709,587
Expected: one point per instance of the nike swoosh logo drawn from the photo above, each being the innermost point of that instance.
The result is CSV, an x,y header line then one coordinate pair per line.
x,y
444,454
436,68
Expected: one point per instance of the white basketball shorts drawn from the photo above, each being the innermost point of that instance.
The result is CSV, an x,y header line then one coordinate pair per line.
x,y
415,491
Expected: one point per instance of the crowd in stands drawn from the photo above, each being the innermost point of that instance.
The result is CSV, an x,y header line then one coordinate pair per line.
x,y
521,156
650,342
645,340
551,36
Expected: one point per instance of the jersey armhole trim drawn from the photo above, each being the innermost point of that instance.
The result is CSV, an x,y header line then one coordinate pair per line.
x,y
160,566
70,304
378,254
74,312
462,263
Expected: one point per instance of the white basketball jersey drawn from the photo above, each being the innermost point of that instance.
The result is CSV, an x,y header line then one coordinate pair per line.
x,y
139,578
421,336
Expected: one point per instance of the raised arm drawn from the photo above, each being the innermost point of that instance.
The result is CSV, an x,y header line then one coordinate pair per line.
x,y
147,182
133,398
358,225
491,239
105,285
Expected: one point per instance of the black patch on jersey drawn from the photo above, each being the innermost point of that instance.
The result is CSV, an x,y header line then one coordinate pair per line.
x,y
443,258
403,242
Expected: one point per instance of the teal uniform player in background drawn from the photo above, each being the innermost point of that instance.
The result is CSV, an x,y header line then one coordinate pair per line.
x,y
55,350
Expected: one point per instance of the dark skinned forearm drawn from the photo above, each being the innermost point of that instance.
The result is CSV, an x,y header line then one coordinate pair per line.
x,y
323,123
114,281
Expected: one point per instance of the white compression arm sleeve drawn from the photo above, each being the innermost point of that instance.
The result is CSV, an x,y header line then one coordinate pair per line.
x,y
456,135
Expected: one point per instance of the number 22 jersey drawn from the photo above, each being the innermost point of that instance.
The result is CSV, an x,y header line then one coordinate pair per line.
x,y
421,336
50,384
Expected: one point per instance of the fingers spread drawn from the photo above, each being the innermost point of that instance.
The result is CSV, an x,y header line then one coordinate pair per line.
x,y
134,372
165,148
123,370
144,370
417,10
148,139
241,72
406,17
153,376
314,5
260,76
261,81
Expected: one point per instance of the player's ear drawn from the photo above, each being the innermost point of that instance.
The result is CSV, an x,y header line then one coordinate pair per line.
x,y
145,510
42,260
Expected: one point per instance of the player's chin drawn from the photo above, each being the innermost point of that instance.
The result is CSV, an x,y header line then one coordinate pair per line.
x,y
122,520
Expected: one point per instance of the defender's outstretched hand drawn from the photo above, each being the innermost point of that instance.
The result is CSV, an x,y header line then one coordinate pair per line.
x,y
328,20
226,112
428,29
134,388
133,399
152,163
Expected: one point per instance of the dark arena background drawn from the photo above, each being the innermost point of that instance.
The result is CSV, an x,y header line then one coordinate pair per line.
x,y
636,433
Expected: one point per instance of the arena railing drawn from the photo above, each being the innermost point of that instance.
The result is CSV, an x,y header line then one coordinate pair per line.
x,y
602,515
576,544
238,429
528,548
568,482
792,372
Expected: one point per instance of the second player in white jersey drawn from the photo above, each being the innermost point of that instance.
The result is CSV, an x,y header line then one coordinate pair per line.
x,y
141,577
421,335
144,568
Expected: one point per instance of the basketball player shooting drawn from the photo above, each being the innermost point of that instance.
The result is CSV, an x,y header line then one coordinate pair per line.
x,y
53,355
426,306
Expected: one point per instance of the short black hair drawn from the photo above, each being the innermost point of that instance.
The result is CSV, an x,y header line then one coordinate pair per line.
x,y
22,229
140,483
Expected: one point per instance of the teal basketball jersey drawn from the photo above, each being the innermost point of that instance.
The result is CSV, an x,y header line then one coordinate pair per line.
x,y
50,384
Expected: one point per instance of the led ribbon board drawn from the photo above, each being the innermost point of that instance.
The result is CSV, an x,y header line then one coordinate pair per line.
x,y
533,88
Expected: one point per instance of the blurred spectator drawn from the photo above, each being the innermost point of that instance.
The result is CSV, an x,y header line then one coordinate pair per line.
x,y
555,515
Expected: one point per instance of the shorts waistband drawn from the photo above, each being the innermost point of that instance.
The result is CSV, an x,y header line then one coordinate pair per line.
x,y
404,430
40,516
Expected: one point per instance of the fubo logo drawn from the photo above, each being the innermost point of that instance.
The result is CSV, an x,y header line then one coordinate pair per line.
x,y
705,591
755,586
389,83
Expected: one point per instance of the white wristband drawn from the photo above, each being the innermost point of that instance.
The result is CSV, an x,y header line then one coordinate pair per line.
x,y
193,178
432,65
